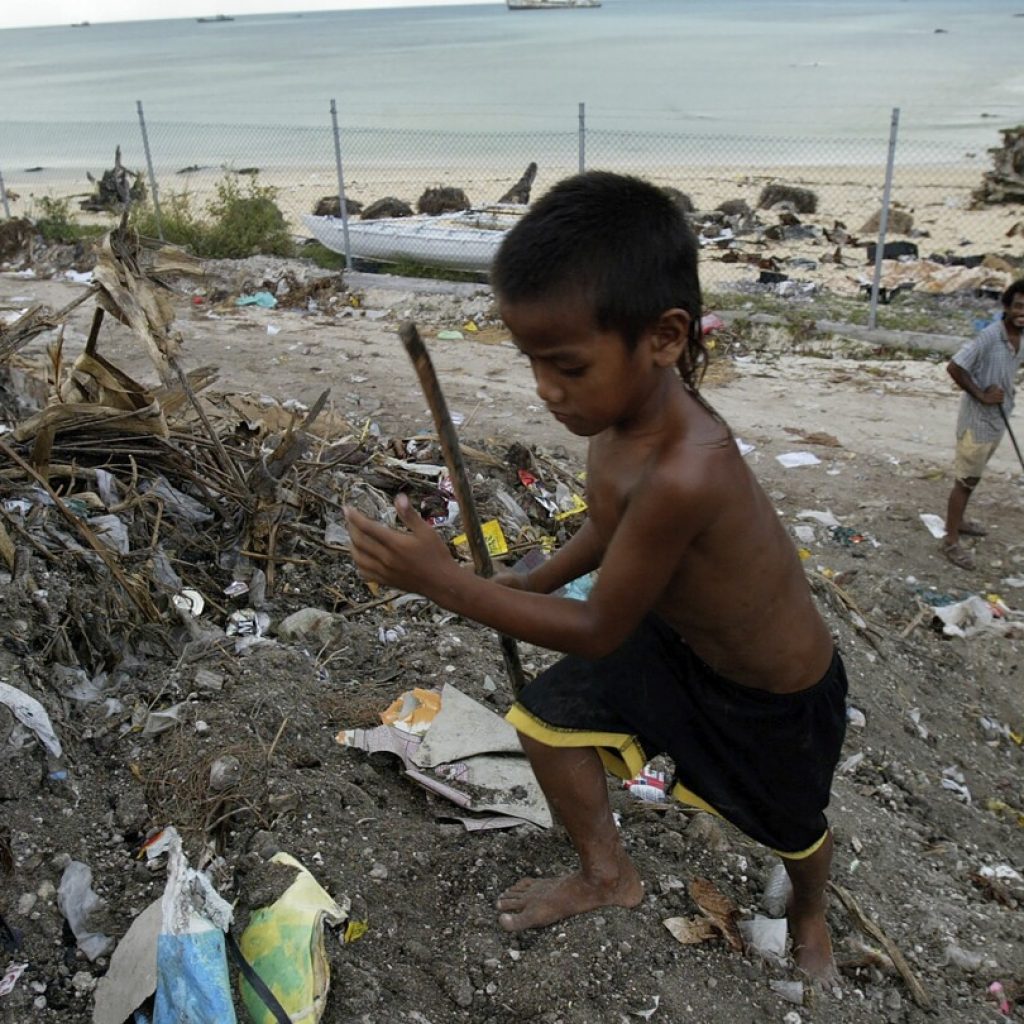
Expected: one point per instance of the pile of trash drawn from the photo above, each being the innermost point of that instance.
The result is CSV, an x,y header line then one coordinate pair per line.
x,y
224,758
141,522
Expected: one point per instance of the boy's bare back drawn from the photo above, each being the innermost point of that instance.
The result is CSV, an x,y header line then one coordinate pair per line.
x,y
737,593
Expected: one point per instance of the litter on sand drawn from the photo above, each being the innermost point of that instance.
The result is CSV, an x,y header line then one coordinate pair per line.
x,y
191,965
765,935
32,715
284,943
455,747
977,615
131,978
936,524
823,518
791,460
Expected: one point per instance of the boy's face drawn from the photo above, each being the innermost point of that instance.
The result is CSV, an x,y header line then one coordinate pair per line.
x,y
588,378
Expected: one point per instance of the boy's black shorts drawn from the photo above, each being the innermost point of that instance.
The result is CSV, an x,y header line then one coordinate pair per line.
x,y
763,761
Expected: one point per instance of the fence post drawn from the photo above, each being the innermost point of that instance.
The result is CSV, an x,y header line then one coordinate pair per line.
x,y
883,223
342,204
583,137
152,175
3,197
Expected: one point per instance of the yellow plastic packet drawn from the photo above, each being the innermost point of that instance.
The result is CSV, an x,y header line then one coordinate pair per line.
x,y
578,506
284,942
494,538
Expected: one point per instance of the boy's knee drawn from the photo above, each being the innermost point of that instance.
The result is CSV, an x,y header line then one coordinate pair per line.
x,y
968,483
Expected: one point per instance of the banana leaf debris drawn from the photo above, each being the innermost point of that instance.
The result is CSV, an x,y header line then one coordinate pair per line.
x,y
191,525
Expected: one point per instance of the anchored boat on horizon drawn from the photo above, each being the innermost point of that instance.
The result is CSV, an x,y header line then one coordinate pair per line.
x,y
546,5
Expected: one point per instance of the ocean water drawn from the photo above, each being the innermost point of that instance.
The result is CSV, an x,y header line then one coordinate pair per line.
x,y
798,69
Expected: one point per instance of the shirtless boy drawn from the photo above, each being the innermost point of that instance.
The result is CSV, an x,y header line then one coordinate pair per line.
x,y
700,638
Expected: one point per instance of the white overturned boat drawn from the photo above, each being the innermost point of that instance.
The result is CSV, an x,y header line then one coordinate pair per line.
x,y
457,241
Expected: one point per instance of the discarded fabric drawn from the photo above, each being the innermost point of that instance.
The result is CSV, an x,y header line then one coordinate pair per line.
x,y
262,299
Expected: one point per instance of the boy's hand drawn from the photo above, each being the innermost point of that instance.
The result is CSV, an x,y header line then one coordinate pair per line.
x,y
418,561
992,395
512,580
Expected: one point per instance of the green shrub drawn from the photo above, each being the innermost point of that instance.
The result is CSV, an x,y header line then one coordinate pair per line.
x,y
57,223
180,223
244,223
238,221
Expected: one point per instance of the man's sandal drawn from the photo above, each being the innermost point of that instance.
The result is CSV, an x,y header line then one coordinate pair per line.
x,y
971,528
959,556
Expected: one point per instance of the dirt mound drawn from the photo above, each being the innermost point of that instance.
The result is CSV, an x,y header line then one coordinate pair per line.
x,y
224,723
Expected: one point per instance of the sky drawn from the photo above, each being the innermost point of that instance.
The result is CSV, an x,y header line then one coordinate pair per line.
x,y
66,12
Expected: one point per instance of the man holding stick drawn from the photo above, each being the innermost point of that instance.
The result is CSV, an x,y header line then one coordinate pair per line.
x,y
984,369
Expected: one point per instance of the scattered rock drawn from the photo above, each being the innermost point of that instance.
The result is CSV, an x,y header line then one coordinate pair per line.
x,y
681,199
442,200
329,206
389,206
802,200
900,222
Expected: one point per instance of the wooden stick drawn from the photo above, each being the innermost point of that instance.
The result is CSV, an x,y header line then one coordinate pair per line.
x,y
872,930
449,441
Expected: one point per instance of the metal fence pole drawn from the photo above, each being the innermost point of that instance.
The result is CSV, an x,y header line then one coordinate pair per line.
x,y
883,223
342,204
152,175
583,137
3,198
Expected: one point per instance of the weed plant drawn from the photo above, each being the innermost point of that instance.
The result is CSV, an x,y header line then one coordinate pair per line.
x,y
57,223
241,220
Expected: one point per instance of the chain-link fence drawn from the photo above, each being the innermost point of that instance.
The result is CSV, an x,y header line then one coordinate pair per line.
x,y
818,237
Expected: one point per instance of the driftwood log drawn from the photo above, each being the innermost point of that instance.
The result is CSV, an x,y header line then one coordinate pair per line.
x,y
116,188
1005,182
520,191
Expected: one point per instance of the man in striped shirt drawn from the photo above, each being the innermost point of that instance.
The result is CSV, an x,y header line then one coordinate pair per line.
x,y
985,370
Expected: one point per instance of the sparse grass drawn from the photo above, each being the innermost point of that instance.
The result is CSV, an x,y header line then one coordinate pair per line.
x,y
322,256
409,268
928,314
58,224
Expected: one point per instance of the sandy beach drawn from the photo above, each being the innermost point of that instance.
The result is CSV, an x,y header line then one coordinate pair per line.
x,y
938,198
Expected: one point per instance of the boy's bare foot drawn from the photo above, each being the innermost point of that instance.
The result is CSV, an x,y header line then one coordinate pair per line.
x,y
812,947
536,902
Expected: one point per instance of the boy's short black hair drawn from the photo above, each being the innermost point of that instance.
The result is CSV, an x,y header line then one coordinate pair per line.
x,y
1017,288
619,243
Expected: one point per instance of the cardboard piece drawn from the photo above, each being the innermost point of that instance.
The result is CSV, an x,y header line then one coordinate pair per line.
x,y
462,752
131,978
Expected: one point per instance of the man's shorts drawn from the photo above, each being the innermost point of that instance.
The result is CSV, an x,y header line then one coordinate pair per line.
x,y
763,761
972,456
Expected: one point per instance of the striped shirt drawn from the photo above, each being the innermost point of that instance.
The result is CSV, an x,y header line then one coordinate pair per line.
x,y
990,359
